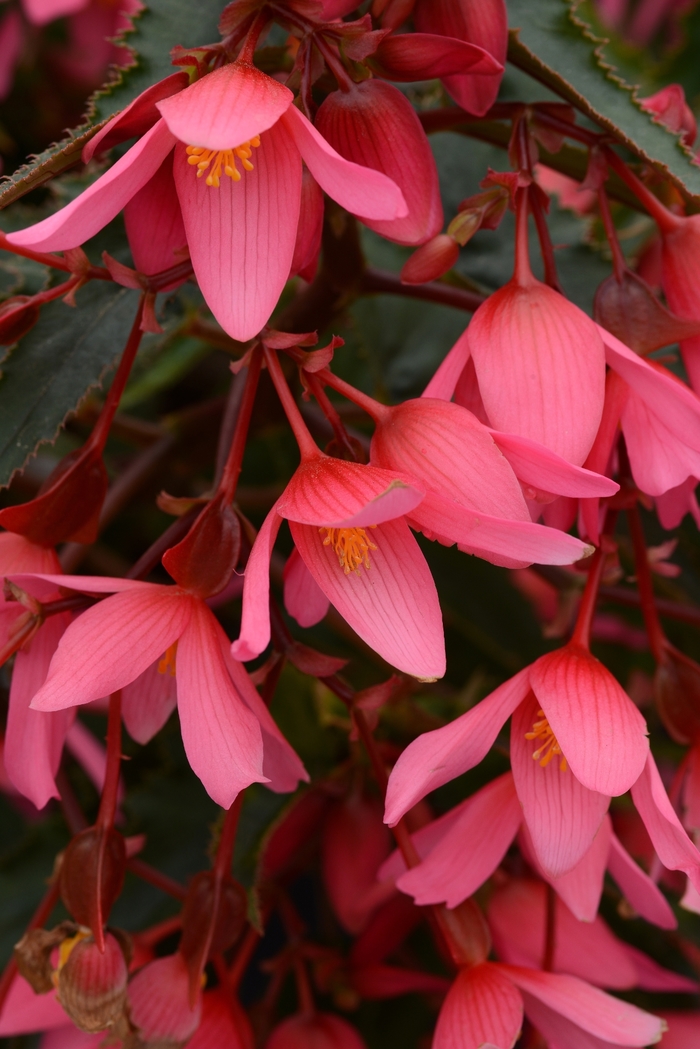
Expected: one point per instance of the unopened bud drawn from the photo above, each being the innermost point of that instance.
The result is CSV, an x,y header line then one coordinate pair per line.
x,y
629,309
677,695
466,933
92,875
212,920
91,984
204,561
431,260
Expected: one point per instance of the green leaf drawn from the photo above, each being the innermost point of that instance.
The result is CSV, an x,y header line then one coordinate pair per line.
x,y
56,363
553,43
54,160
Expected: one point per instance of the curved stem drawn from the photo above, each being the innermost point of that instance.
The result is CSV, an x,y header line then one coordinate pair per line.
x,y
657,638
307,446
664,218
110,790
329,410
374,409
307,1006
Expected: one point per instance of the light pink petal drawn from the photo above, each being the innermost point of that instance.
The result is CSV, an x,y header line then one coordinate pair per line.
x,y
638,888
482,1007
137,118
441,755
364,192
659,458
154,224
332,493
673,505
42,11
599,729
442,385
241,235
582,886
653,977
255,617
562,815
559,1032
471,850
148,702
109,645
86,584
393,606
25,1011
282,766
34,739
540,363
303,597
593,1010
221,735
544,469
374,125
100,202
226,108
673,846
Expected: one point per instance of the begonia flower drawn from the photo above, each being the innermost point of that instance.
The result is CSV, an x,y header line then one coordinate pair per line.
x,y
229,736
237,142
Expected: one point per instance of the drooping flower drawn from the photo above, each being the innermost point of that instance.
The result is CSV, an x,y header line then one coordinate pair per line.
x,y
233,142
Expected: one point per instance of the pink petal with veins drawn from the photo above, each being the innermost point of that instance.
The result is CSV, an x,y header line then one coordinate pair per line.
x,y
138,117
154,225
482,1007
582,886
673,846
638,888
303,597
255,617
544,469
443,383
148,702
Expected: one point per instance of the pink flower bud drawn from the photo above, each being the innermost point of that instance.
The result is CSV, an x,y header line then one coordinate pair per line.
x,y
92,984
159,1005
431,260
317,1031
671,109
204,561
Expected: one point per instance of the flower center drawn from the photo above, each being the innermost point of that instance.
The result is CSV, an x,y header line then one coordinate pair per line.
x,y
222,159
549,746
167,663
352,545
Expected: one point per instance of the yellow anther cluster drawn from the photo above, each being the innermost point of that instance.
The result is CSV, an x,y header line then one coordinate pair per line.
x,y
168,662
549,746
222,160
352,545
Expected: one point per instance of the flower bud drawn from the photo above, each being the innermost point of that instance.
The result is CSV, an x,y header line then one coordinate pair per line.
x,y
629,309
91,877
466,933
315,1031
212,920
159,1006
203,562
431,260
677,695
91,984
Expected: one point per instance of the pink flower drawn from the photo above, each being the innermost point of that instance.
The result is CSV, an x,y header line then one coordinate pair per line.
x,y
229,736
240,201
672,110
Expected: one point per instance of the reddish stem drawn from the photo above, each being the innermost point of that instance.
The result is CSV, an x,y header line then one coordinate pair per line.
x,y
307,1006
657,638
234,463
100,433
381,282
110,790
582,630
307,446
224,852
664,218
243,955
154,877
545,241
374,409
550,940
253,35
523,271
54,261
619,263
331,414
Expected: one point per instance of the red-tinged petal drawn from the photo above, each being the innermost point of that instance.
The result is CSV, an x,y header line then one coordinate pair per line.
x,y
332,493
515,544
255,617
309,232
484,24
442,385
393,606
303,597
599,729
441,755
138,117
562,815
109,645
333,9
471,850
354,843
673,846
683,1029
241,235
224,1024
544,469
221,735
653,977
541,368
425,840
374,982
560,1032
638,888
659,459
315,1031
282,767
482,1007
423,56
154,225
159,1002
366,193
25,1011
86,584
374,125
450,452
582,886
99,203
226,108
148,702
594,1011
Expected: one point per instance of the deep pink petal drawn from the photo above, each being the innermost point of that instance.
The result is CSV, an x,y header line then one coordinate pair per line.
x,y
364,192
471,850
442,385
638,888
303,597
482,1007
226,108
562,815
99,203
422,56
544,469
154,225
388,981
582,886
25,1011
673,846
109,645
255,617
559,1032
599,729
441,755
659,458
42,11
241,235
137,118
683,1029
310,229
616,393
425,840
393,606
86,584
332,493
653,977
594,1011
221,735
148,702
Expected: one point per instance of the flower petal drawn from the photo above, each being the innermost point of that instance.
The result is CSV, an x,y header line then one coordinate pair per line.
x,y
364,192
424,56
303,597
638,888
482,1007
599,729
562,815
137,118
100,202
255,617
443,383
673,846
221,735
25,1011
441,755
241,235
393,606
582,886
544,469
154,225
227,107
659,458
560,1032
148,702
471,850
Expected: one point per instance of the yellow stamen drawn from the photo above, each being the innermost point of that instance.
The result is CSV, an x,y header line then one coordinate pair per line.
x,y
541,730
352,545
222,158
167,663
64,951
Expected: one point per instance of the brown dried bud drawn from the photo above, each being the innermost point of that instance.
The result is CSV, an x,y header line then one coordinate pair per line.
x,y
91,984
92,875
677,695
33,955
630,310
